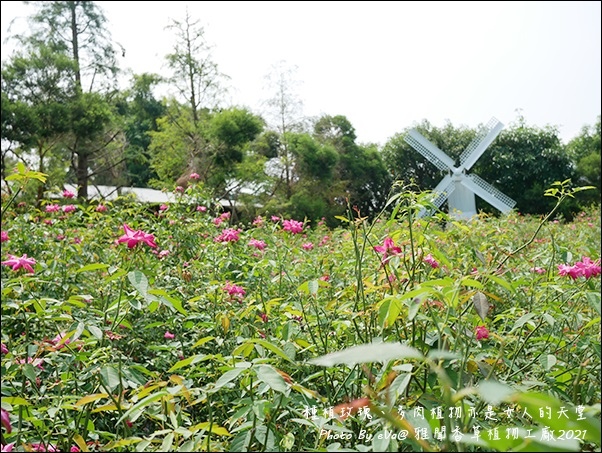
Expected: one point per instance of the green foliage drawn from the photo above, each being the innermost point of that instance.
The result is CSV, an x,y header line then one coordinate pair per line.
x,y
306,204
235,127
90,115
522,162
68,49
267,144
233,130
36,111
76,29
584,151
314,161
318,340
140,111
211,147
364,180
172,143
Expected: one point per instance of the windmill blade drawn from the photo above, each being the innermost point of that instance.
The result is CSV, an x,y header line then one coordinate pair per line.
x,y
428,150
443,190
481,142
488,193
440,193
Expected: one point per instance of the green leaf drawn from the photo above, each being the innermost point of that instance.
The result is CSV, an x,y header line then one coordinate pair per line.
x,y
442,282
547,361
186,362
400,383
522,320
144,370
471,283
29,372
241,441
313,286
202,341
92,267
310,287
167,442
78,331
143,445
442,354
537,405
380,442
168,300
275,349
227,377
366,353
549,319
414,306
117,273
188,446
96,332
500,281
494,392
480,256
23,174
388,311
15,401
267,374
77,301
594,300
79,440
593,322
39,306
140,282
243,349
141,404
173,303
110,377
214,428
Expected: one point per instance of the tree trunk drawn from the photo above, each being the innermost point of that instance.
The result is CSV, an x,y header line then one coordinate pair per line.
x,y
82,176
41,169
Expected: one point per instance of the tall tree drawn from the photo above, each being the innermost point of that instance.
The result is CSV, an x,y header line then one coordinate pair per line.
x,y
312,191
363,177
284,115
584,151
315,194
78,29
182,144
35,110
231,133
194,73
140,110
177,147
212,149
523,161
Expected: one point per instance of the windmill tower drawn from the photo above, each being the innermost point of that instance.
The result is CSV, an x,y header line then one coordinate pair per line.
x,y
458,187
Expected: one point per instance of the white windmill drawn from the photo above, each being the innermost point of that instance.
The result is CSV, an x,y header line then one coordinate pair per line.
x,y
459,187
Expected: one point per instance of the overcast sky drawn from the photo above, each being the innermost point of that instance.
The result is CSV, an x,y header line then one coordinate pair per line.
x,y
387,65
